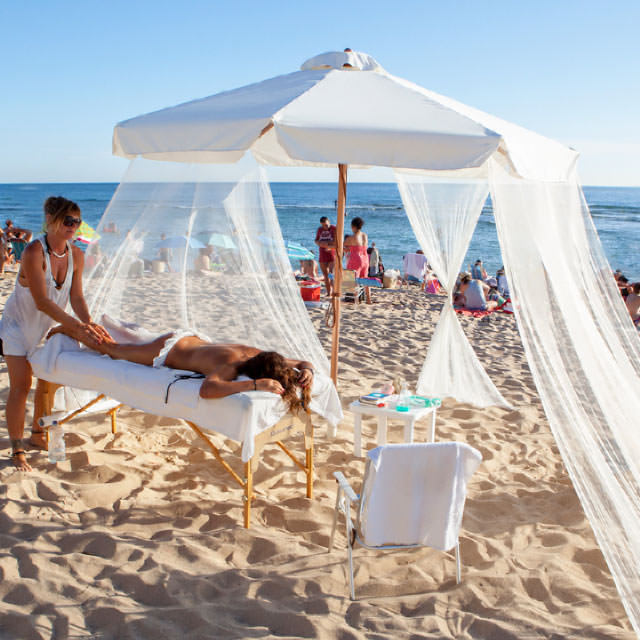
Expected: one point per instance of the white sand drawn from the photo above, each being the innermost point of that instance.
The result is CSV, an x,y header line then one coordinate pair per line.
x,y
138,535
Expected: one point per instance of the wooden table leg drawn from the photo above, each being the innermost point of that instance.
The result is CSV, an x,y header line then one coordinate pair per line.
x,y
357,435
248,492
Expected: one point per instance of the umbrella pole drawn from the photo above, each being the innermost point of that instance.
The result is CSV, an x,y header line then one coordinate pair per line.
x,y
337,270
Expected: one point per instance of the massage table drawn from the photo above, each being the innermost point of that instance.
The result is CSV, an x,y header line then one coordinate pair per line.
x,y
254,418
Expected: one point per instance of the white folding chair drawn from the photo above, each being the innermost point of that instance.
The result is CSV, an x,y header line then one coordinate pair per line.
x,y
412,496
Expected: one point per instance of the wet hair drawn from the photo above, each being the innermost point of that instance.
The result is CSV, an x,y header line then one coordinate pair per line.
x,y
635,288
465,279
323,219
270,364
58,207
358,223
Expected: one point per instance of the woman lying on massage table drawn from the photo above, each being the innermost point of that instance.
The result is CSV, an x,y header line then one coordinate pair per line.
x,y
221,364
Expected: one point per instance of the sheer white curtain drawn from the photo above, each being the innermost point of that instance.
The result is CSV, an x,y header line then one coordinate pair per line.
x,y
199,247
584,354
443,210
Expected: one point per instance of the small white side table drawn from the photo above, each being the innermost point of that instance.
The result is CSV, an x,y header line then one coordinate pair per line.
x,y
383,414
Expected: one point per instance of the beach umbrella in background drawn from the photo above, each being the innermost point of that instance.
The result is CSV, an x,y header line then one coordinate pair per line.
x,y
220,240
298,252
180,242
85,235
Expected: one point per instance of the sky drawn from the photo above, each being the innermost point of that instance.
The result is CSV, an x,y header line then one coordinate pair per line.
x,y
72,70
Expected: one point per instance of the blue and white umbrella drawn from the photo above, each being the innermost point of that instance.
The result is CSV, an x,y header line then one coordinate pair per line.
x,y
220,240
180,242
298,252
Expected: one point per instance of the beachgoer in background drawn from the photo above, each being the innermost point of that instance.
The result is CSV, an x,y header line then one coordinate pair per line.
x,y
478,272
374,261
110,227
164,253
356,245
633,302
326,241
475,292
503,285
18,244
50,277
202,261
8,228
309,268
4,250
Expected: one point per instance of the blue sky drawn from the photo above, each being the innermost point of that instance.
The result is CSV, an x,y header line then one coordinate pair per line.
x,y
71,70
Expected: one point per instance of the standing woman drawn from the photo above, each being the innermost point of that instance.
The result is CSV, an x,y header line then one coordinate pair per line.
x,y
50,277
356,244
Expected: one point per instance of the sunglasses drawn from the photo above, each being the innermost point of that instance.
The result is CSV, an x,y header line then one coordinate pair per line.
x,y
70,221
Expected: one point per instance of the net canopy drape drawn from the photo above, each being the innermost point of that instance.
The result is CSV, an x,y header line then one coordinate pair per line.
x,y
584,354
443,210
343,108
199,247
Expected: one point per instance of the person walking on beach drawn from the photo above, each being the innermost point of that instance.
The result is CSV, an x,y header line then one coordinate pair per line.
x,y
326,241
50,277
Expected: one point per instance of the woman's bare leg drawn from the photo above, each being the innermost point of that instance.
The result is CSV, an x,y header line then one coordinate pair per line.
x,y
139,353
19,385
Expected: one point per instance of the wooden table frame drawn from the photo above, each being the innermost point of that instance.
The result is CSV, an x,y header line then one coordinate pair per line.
x,y
286,427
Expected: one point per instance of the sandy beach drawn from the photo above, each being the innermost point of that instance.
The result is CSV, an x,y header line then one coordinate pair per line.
x,y
138,534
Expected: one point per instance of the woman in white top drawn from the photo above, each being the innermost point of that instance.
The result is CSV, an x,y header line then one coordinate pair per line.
x,y
50,277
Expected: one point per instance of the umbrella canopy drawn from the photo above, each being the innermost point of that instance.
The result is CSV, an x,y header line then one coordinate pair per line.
x,y
298,252
340,108
220,240
179,242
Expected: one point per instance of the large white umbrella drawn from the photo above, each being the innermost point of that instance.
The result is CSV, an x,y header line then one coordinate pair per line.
x,y
341,108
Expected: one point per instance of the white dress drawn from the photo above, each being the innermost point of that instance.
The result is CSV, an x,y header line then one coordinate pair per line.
x,y
23,326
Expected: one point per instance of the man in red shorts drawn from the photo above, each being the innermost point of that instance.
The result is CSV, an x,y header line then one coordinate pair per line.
x,y
326,240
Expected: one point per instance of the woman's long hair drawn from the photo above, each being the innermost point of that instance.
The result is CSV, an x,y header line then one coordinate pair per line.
x,y
270,364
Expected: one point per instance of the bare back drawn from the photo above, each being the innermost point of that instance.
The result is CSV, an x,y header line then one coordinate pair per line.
x,y
216,360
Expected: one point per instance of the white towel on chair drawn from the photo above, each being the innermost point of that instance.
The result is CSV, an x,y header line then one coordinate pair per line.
x,y
415,493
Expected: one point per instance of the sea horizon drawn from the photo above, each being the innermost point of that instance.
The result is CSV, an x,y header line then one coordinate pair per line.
x,y
300,204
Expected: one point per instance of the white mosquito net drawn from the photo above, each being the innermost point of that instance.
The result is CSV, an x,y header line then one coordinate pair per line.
x,y
584,354
443,210
199,247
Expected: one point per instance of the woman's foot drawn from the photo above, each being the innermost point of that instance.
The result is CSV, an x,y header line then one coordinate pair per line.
x,y
19,460
38,440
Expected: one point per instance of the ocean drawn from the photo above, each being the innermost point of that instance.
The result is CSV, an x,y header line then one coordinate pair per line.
x,y
615,212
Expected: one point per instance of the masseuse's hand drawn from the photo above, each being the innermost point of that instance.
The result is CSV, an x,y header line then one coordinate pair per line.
x,y
306,377
268,384
86,333
101,332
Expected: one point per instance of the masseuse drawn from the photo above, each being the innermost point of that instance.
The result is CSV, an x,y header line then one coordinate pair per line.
x,y
50,277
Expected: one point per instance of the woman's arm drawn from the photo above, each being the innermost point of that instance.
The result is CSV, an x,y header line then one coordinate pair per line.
x,y
215,387
76,295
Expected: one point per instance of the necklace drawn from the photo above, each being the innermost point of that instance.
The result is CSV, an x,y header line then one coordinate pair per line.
x,y
57,255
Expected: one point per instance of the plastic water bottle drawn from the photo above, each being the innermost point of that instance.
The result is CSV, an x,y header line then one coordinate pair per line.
x,y
57,451
403,399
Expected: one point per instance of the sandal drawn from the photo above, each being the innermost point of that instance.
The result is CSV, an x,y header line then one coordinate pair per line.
x,y
19,452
